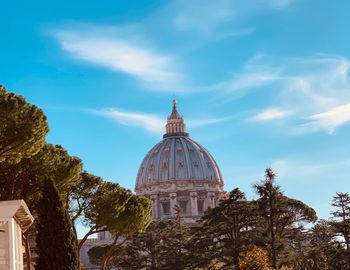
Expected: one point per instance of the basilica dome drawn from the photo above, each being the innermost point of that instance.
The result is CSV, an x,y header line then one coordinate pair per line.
x,y
179,170
177,158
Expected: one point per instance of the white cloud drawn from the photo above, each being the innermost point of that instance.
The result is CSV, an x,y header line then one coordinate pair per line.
x,y
152,123
271,114
149,122
313,91
331,119
117,52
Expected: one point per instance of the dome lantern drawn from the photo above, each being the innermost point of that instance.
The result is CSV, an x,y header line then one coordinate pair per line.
x,y
175,125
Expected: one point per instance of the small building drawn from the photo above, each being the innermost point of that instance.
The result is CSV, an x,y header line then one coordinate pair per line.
x,y
15,218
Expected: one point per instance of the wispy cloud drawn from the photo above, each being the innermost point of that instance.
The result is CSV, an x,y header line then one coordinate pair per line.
x,y
329,120
315,89
193,15
118,52
149,122
208,121
135,49
152,123
295,168
208,17
271,114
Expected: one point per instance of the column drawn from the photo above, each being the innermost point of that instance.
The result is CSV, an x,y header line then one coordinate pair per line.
x,y
154,200
194,203
173,202
209,201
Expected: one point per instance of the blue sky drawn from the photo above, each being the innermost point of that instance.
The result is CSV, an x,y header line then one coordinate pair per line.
x,y
259,83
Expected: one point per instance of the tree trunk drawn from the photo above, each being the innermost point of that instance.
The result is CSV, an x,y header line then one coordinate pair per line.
x,y
109,254
273,250
235,261
82,241
347,241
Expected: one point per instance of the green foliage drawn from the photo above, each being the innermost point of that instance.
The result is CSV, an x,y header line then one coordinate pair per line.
x,y
107,204
225,232
81,195
282,217
97,253
23,180
23,128
56,244
254,259
142,251
163,245
117,210
176,239
341,220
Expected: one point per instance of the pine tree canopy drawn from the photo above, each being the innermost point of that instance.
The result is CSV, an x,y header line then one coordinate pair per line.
x,y
23,128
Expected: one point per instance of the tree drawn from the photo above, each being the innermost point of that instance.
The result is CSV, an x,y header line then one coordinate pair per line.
x,y
81,195
97,253
163,245
142,251
107,203
23,128
254,259
281,216
341,219
175,244
135,217
24,179
323,237
300,253
56,244
115,209
225,231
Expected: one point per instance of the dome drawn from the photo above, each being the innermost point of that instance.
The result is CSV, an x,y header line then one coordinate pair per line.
x,y
177,157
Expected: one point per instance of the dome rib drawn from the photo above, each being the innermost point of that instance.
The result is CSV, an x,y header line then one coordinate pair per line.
x,y
186,158
158,167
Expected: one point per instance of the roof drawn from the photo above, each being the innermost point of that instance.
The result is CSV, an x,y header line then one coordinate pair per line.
x,y
18,210
177,157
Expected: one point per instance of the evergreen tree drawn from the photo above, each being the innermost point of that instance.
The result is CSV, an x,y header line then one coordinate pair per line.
x,y
23,128
142,251
281,216
323,240
174,248
341,219
56,244
225,231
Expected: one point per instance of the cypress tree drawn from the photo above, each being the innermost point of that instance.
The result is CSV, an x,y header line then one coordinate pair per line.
x,y
56,244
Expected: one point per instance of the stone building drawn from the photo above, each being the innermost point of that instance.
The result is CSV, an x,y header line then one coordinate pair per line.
x,y
179,171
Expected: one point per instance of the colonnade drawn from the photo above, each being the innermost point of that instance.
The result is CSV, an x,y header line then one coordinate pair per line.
x,y
192,201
